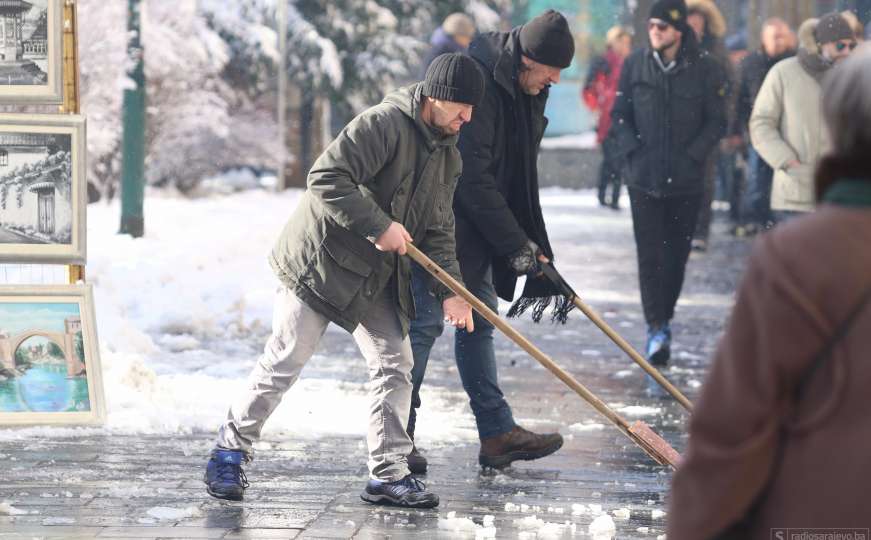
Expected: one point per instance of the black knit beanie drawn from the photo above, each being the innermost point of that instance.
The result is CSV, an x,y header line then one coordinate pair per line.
x,y
833,27
674,12
454,77
548,40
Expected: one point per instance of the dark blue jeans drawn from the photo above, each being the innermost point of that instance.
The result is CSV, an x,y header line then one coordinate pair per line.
x,y
474,353
758,198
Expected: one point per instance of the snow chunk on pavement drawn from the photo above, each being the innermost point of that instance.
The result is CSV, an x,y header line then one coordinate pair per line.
x,y
622,513
590,426
640,410
602,528
6,509
656,514
533,527
167,513
460,524
58,521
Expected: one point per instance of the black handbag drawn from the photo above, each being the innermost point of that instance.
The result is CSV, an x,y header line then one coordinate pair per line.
x,y
741,529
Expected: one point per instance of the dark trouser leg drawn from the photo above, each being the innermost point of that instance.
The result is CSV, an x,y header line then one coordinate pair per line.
x,y
604,177
680,222
703,226
425,328
663,235
476,358
648,217
758,197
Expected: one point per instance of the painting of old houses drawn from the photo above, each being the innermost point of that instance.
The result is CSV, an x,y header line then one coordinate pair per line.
x,y
48,364
41,199
30,51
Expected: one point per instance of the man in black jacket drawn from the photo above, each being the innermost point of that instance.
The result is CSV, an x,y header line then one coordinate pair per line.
x,y
778,43
667,119
499,226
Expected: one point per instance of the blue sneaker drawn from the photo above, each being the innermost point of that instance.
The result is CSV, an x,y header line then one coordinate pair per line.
x,y
659,345
224,477
408,492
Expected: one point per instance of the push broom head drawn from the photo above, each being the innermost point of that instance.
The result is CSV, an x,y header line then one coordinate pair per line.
x,y
654,445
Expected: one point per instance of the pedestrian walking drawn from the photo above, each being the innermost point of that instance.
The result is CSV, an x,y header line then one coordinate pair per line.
x,y
786,125
598,94
778,43
709,26
668,117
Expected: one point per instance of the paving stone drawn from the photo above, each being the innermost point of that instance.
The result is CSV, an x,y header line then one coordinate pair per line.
x,y
310,488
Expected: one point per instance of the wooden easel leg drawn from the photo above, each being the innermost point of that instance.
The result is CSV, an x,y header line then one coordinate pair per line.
x,y
75,273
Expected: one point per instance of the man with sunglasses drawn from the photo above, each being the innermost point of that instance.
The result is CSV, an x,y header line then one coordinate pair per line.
x,y
668,117
786,126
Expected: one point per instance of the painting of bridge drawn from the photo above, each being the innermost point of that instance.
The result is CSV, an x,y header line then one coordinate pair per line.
x,y
42,358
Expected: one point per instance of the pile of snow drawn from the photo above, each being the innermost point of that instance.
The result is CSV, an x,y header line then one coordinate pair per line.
x,y
6,509
165,513
602,528
456,524
538,528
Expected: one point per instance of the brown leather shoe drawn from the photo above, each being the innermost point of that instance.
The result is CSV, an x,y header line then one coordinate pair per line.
x,y
416,461
518,444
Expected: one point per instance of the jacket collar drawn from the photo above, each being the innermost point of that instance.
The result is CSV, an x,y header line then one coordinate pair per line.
x,y
499,52
853,192
844,180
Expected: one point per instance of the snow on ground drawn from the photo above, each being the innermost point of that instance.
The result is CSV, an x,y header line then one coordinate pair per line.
x,y
183,311
586,141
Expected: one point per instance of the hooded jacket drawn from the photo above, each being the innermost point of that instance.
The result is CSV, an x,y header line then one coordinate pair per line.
x,y
787,123
386,165
666,123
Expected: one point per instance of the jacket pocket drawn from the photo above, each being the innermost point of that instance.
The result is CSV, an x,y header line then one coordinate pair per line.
x,y
336,274
798,185
687,109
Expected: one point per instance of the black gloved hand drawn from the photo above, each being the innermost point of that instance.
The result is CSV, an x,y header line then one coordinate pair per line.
x,y
525,261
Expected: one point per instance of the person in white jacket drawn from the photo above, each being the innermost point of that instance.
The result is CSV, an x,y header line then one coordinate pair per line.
x,y
786,126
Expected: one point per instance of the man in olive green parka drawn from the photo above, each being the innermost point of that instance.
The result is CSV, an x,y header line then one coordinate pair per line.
x,y
387,179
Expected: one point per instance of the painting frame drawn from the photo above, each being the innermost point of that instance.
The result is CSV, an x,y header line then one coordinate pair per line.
x,y
50,93
74,252
82,295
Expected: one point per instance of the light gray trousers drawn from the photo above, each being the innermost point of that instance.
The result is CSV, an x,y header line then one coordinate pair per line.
x,y
296,331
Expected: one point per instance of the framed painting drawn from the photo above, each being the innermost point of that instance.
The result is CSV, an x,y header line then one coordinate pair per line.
x,y
49,357
31,51
42,188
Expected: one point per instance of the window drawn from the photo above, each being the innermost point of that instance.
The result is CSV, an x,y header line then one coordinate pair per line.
x,y
4,158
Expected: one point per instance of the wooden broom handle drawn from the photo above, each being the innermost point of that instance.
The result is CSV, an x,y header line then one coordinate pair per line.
x,y
515,336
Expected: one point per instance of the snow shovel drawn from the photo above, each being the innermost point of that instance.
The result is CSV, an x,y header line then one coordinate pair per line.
x,y
551,273
639,432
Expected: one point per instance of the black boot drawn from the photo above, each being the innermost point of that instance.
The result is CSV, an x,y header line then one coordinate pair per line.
x,y
416,462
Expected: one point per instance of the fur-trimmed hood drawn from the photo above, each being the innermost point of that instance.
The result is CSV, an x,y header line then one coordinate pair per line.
x,y
807,39
716,22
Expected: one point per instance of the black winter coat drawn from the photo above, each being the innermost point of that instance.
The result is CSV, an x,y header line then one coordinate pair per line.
x,y
667,124
751,74
496,203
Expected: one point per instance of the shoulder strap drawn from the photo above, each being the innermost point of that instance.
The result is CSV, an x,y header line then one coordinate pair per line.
x,y
840,333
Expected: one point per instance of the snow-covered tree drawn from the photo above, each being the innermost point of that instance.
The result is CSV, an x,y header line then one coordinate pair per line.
x,y
103,63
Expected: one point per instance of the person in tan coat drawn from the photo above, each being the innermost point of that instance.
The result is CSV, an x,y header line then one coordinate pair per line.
x,y
786,125
780,439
